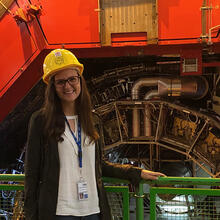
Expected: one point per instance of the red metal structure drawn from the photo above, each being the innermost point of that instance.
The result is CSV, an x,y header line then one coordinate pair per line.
x,y
152,68
30,28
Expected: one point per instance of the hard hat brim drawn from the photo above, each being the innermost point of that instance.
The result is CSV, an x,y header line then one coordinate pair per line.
x,y
52,73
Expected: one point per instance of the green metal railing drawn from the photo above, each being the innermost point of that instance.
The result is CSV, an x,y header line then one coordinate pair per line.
x,y
195,190
154,191
178,186
125,195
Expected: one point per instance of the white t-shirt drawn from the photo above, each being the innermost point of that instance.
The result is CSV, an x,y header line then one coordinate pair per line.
x,y
68,202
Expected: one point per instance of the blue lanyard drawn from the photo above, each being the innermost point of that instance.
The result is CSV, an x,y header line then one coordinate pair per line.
x,y
78,142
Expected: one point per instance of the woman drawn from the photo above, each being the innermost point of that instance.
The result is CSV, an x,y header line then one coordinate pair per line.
x,y
64,163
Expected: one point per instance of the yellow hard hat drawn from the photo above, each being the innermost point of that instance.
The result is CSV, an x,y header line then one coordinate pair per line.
x,y
59,59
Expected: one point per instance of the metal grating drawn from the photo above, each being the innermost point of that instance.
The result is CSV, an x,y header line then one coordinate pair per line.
x,y
188,207
118,198
128,16
116,205
190,65
185,203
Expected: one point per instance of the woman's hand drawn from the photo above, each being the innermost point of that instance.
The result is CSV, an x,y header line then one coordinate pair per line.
x,y
150,175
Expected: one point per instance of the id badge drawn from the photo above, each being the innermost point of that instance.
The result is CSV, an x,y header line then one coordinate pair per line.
x,y
82,190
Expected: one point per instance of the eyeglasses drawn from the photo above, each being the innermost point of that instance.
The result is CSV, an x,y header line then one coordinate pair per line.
x,y
73,80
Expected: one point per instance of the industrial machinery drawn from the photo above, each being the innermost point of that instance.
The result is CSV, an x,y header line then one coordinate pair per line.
x,y
152,67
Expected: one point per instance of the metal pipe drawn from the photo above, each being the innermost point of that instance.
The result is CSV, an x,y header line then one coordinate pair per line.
x,y
147,116
147,121
151,94
204,20
135,93
195,87
187,86
210,34
136,123
140,83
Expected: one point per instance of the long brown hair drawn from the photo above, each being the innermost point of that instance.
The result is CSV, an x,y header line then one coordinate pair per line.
x,y
55,118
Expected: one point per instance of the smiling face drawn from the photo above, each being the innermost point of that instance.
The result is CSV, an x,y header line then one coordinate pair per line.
x,y
67,85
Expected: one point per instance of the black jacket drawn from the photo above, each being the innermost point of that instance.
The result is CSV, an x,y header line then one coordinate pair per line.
x,y
42,174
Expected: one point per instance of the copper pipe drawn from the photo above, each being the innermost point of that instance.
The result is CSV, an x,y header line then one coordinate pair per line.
x,y
147,122
151,94
186,87
140,83
147,116
191,87
194,87
136,123
144,82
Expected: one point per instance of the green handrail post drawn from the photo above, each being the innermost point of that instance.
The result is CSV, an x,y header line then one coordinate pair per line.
x,y
152,204
126,211
140,202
